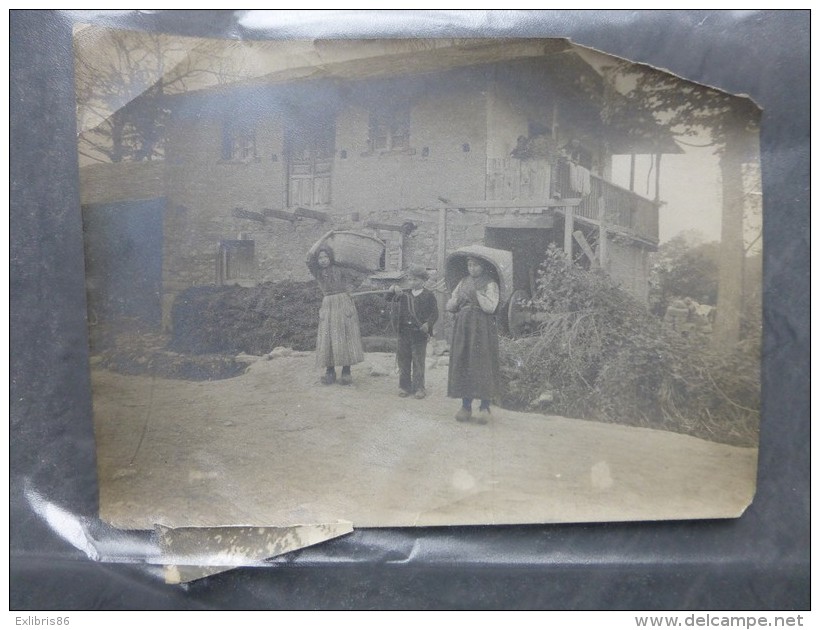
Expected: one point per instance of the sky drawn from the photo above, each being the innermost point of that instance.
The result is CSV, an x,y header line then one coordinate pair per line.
x,y
690,181
690,188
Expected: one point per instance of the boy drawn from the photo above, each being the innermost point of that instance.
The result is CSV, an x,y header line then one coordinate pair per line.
x,y
414,318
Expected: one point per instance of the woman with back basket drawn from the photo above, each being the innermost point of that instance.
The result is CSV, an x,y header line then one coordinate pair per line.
x,y
474,371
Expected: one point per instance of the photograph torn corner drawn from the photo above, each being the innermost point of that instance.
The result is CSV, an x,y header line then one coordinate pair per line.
x,y
182,574
198,552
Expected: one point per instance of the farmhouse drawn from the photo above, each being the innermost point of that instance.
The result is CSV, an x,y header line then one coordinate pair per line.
x,y
429,145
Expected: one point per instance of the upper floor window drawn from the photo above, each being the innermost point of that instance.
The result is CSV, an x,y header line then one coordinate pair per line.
x,y
390,129
236,262
238,140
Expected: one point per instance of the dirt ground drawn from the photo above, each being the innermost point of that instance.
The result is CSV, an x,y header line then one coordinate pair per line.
x,y
274,447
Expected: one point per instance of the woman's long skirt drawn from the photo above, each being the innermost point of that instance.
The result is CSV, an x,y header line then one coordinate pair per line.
x,y
474,371
338,341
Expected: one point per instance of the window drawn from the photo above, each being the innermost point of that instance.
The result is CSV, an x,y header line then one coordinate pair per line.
x,y
238,141
236,262
390,129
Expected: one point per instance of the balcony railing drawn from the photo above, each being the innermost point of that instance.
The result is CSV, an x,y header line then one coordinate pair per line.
x,y
601,199
509,179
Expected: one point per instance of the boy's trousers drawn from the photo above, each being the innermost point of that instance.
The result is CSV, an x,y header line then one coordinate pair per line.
x,y
411,355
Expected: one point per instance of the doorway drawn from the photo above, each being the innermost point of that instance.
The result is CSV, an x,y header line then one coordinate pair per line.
x,y
310,150
123,258
528,246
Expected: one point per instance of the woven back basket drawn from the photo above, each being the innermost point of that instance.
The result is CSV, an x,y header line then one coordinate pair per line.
x,y
353,250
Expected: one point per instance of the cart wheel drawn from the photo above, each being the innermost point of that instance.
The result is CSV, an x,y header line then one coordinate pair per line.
x,y
518,317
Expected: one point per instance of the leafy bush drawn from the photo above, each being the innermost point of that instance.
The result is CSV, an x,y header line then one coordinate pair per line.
x,y
599,354
685,266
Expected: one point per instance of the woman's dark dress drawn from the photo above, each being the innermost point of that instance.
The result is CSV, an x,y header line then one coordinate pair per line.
x,y
474,371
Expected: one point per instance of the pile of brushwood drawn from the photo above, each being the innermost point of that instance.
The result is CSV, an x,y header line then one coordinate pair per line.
x,y
600,355
255,320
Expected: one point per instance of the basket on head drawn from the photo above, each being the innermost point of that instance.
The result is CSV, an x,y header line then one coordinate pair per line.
x,y
361,252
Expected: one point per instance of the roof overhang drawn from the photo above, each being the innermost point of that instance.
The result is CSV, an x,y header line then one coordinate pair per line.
x,y
379,58
265,63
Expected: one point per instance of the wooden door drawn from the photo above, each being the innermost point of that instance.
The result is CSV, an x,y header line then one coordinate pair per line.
x,y
310,165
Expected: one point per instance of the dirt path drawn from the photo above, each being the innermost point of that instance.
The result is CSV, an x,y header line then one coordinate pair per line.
x,y
273,447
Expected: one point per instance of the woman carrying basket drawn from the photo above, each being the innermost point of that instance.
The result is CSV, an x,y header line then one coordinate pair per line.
x,y
338,341
474,371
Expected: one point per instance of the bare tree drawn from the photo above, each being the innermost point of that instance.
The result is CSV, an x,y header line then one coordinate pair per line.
x,y
123,81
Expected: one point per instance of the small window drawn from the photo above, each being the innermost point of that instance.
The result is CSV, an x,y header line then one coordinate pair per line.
x,y
239,141
236,262
390,129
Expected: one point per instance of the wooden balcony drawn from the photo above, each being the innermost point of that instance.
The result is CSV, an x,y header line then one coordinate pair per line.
x,y
513,180
601,199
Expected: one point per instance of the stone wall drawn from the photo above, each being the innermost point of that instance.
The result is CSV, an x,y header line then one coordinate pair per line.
x,y
458,125
628,265
124,181
446,159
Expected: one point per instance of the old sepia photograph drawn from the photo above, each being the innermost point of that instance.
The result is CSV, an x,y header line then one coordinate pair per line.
x,y
415,282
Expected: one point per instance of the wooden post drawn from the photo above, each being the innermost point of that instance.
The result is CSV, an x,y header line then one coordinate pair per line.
x,y
632,172
441,263
582,241
602,234
657,177
401,250
568,229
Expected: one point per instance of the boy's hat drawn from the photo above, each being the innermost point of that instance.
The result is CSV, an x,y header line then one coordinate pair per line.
x,y
417,271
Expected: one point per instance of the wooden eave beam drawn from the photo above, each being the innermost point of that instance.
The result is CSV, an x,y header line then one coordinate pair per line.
x,y
312,214
240,213
280,214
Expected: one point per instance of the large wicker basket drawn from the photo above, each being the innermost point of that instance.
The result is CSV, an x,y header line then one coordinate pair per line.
x,y
353,250
498,264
